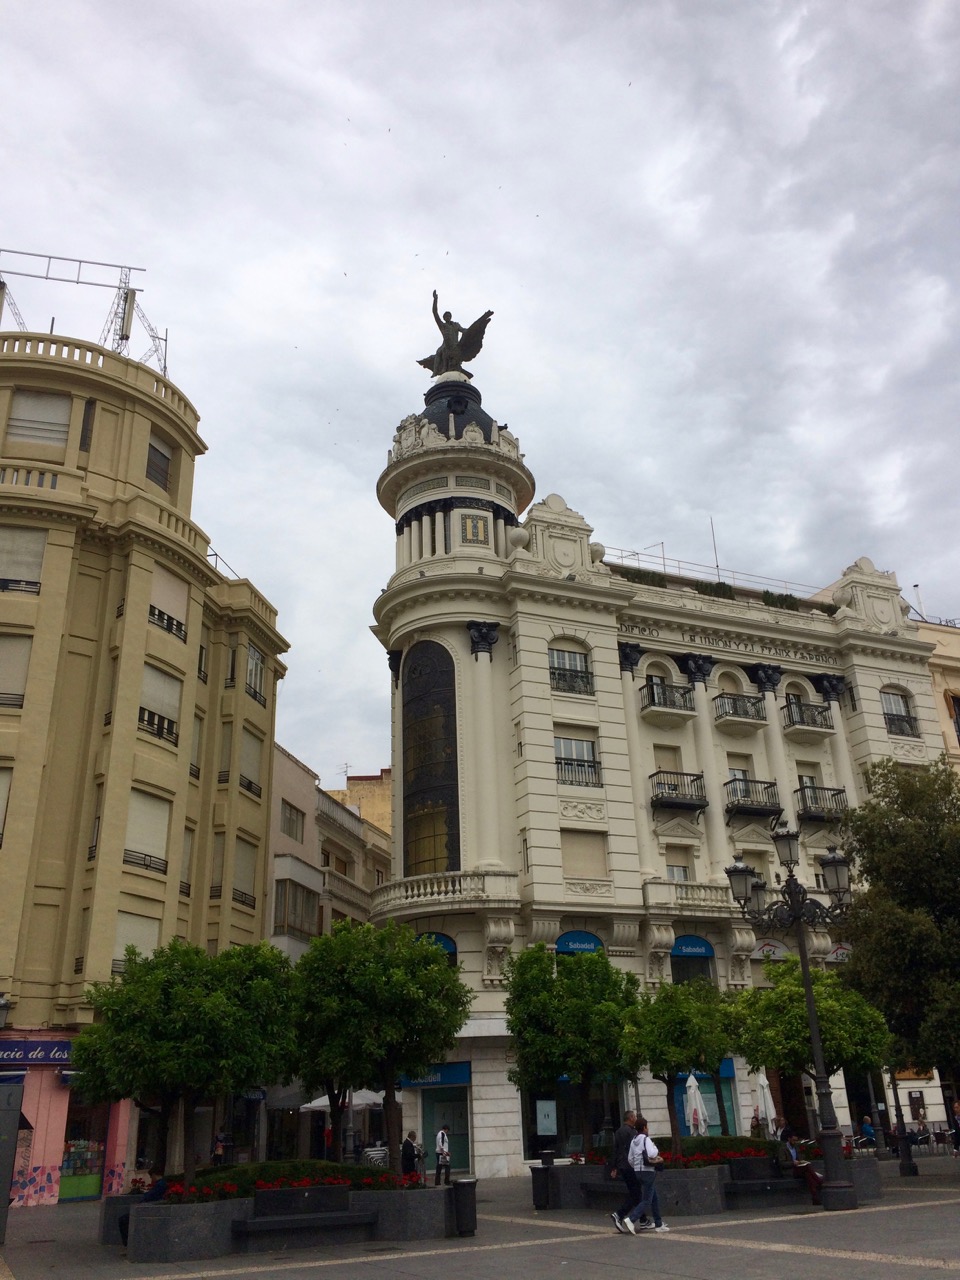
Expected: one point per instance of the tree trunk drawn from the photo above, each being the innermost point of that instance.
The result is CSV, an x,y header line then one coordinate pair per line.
x,y
336,1099
189,1138
586,1128
676,1146
721,1104
392,1118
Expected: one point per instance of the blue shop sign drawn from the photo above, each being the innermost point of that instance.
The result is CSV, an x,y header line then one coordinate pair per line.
x,y
688,944
33,1053
438,1074
576,943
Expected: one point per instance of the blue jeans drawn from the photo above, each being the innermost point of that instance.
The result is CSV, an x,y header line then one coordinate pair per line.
x,y
649,1203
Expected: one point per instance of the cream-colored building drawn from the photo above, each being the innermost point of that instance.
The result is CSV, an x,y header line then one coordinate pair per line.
x,y
581,748
371,795
137,702
945,674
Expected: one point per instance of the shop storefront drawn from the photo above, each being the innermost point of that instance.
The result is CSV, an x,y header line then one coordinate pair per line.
x,y
444,1091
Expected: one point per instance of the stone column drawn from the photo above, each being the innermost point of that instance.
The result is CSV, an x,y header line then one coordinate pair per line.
x,y
767,677
831,688
438,540
483,636
426,530
415,542
630,655
698,667
404,543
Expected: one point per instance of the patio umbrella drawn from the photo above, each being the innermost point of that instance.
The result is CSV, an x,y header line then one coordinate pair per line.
x,y
694,1108
766,1108
361,1098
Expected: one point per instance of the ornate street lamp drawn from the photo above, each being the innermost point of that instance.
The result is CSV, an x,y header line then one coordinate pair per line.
x,y
794,906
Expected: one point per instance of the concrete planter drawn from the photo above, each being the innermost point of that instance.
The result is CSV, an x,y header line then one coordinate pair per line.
x,y
426,1214
111,1209
864,1173
184,1232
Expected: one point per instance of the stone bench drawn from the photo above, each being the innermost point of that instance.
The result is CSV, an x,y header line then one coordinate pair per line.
x,y
304,1230
755,1181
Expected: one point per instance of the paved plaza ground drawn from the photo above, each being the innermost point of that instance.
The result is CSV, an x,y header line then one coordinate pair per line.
x,y
915,1229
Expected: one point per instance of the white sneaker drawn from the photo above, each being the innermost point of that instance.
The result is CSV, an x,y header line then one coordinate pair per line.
x,y
645,1226
662,1227
628,1223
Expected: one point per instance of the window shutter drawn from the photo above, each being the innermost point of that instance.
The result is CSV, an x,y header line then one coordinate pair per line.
x,y
216,871
21,553
39,417
245,867
168,593
226,746
251,750
185,866
148,820
142,932
160,693
5,777
14,661
197,737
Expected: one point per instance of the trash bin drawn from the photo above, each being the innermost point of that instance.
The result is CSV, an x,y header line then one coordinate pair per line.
x,y
547,1157
465,1205
546,1188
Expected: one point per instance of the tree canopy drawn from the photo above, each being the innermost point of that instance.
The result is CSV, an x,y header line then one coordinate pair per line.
x,y
905,922
679,1028
181,1024
371,1005
565,1015
773,1029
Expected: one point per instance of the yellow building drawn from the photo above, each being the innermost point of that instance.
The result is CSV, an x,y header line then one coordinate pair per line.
x,y
137,700
945,674
371,795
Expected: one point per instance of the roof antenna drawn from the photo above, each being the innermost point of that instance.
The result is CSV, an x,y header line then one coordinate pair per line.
x,y
716,558
916,587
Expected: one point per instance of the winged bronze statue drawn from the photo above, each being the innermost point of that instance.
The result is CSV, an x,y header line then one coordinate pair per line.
x,y
458,346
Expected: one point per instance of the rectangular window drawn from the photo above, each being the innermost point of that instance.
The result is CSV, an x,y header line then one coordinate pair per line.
x,y
86,428
216,870
251,749
14,663
576,760
159,703
39,417
297,911
584,855
168,602
142,932
291,821
569,671
666,757
159,458
678,871
6,775
195,747
340,866
226,750
955,710
245,873
148,824
231,677
203,657
95,829
186,863
21,559
255,673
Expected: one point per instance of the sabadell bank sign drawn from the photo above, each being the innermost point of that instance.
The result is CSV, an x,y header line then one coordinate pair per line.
x,y
34,1052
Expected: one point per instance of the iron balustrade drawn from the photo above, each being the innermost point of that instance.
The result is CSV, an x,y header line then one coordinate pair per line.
x,y
247,784
11,699
148,861
91,853
78,964
244,899
564,680
808,715
230,683
184,888
202,676
194,771
121,606
752,793
160,726
744,706
223,776
820,802
255,693
167,623
673,790
676,697
901,726
216,891
26,585
108,718
118,966
578,773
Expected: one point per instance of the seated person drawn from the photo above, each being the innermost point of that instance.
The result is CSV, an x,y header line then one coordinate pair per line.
x,y
789,1161
868,1135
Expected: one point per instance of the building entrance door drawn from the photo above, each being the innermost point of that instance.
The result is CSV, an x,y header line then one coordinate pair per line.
x,y
447,1105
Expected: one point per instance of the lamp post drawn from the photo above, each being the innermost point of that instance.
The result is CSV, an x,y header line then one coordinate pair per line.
x,y
796,907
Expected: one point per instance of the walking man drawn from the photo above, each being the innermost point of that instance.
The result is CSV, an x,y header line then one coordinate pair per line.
x,y
443,1155
645,1160
624,1170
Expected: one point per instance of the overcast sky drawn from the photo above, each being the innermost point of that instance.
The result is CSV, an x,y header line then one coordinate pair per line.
x,y
719,238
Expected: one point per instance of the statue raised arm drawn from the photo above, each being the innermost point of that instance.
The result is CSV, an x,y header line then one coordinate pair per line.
x,y
458,346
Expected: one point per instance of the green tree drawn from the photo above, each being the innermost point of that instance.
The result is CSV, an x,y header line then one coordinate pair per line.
x,y
773,1031
905,922
681,1027
565,1015
371,1005
181,1025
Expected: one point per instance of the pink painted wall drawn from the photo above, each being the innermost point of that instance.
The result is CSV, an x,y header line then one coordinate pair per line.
x,y
36,1177
115,1156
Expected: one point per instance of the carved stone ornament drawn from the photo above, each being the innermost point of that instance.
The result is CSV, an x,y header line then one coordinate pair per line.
x,y
483,636
766,676
499,931
909,751
544,929
630,655
697,667
589,888
582,811
830,687
624,936
394,659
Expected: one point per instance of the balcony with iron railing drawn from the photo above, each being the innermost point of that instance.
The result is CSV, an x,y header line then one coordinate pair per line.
x,y
167,623
255,693
739,714
806,721
672,790
146,861
158,726
565,680
243,899
12,700
247,784
578,773
667,705
901,726
820,804
752,797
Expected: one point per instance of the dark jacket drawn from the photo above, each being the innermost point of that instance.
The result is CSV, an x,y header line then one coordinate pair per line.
x,y
408,1156
621,1145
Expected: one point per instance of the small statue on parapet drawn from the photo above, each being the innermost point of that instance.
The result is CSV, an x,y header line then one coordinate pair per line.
x,y
458,346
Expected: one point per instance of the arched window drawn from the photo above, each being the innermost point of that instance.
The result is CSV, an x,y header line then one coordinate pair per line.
x,y
898,713
727,682
431,803
691,958
444,941
569,668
